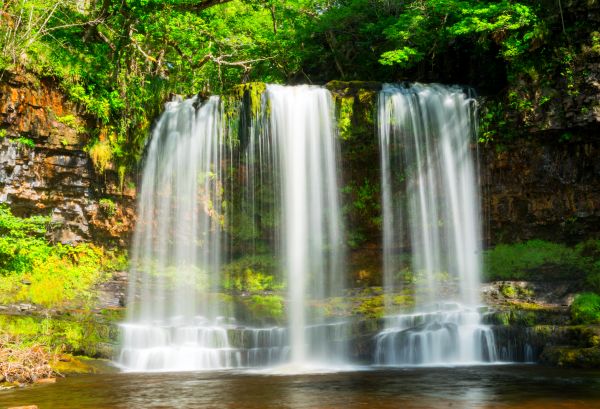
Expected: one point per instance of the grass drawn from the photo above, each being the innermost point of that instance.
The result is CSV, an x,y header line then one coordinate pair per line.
x,y
542,260
35,270
82,333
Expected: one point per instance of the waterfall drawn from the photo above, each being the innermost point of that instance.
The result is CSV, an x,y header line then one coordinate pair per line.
x,y
430,205
259,176
179,317
302,126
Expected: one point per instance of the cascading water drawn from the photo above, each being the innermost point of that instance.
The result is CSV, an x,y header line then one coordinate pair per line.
x,y
173,321
430,204
178,317
303,137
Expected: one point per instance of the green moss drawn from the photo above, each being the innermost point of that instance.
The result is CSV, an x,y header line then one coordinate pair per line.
x,y
344,117
253,91
571,357
371,307
66,364
508,291
335,307
252,274
404,301
526,306
511,291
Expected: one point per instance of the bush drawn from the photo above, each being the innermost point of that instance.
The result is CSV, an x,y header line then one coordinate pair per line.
x,y
265,308
586,309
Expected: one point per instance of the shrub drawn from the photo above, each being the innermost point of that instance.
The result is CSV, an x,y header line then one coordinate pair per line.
x,y
252,274
586,309
265,308
101,155
108,207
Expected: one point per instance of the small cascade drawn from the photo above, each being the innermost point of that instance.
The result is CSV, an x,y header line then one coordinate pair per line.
x,y
430,207
519,343
178,347
447,334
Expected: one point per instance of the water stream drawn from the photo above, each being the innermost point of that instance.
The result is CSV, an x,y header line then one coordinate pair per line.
x,y
431,206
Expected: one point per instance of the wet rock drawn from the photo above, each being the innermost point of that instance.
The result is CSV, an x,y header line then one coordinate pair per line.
x,y
25,307
111,294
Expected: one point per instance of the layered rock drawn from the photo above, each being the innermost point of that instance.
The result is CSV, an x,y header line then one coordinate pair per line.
x,y
44,168
541,188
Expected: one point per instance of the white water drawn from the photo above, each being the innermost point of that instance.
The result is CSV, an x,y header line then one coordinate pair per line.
x,y
303,137
176,253
177,318
430,205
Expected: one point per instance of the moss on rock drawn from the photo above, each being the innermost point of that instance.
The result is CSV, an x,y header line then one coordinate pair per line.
x,y
571,357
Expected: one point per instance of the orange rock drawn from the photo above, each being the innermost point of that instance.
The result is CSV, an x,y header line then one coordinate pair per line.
x,y
45,380
24,407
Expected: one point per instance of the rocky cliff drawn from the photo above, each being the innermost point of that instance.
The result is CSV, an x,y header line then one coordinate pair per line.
x,y
544,184
45,169
541,187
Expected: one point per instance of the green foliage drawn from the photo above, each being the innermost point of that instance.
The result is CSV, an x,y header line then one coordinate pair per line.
x,y
101,155
344,117
252,274
265,308
72,122
108,207
427,27
28,142
120,60
81,333
586,309
37,271
365,195
537,259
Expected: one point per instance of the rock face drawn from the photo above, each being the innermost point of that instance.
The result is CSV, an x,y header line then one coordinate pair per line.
x,y
541,188
45,170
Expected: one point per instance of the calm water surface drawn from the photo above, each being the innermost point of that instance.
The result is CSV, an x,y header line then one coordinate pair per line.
x,y
468,387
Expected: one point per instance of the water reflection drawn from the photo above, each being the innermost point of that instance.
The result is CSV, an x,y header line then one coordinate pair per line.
x,y
525,387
